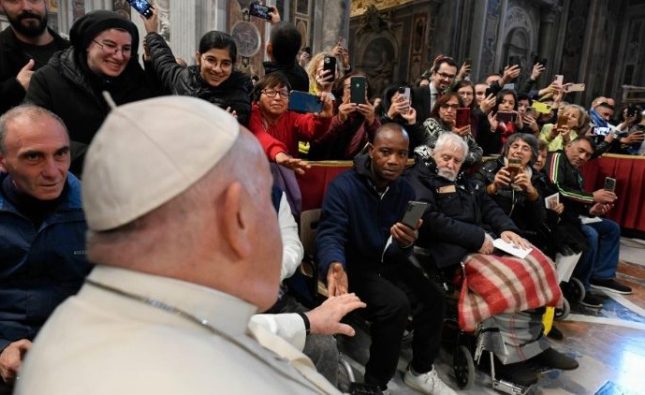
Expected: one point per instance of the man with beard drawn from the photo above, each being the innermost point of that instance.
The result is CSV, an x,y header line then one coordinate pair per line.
x,y
25,46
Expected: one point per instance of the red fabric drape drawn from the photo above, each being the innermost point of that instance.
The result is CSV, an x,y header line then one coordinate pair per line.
x,y
629,172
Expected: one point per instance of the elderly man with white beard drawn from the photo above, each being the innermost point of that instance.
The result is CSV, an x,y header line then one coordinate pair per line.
x,y
459,227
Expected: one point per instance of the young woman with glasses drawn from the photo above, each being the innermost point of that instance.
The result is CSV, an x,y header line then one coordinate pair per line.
x,y
213,78
103,57
278,129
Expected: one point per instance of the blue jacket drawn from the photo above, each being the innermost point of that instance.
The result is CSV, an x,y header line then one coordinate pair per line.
x,y
39,268
355,221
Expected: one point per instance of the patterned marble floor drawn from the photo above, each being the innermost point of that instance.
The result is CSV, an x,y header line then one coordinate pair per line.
x,y
609,344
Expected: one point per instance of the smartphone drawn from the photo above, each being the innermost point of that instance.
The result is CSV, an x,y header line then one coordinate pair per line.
x,y
304,102
413,213
405,92
259,11
463,117
541,108
468,61
514,60
631,110
357,90
536,60
559,78
506,117
579,87
143,7
513,167
329,63
489,91
610,184
562,121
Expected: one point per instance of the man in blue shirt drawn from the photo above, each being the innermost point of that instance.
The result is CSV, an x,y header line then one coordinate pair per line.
x,y
42,230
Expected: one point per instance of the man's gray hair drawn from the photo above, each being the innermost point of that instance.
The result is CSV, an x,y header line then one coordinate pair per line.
x,y
30,110
449,139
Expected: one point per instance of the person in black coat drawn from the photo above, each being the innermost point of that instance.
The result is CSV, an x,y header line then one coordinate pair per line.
x,y
282,49
514,188
103,57
213,79
461,217
25,46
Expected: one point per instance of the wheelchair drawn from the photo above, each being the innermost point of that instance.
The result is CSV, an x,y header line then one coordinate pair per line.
x,y
468,348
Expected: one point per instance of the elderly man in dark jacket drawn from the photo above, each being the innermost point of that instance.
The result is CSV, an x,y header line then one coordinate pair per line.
x,y
462,219
25,46
42,230
362,246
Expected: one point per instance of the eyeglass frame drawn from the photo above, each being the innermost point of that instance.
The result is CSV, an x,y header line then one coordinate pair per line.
x,y
116,49
276,92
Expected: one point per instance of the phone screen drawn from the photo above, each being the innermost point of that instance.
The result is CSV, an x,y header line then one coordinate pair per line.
x,y
142,6
304,102
463,117
610,184
260,11
357,90
506,117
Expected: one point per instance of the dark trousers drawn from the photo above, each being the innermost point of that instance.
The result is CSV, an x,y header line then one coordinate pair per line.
x,y
391,296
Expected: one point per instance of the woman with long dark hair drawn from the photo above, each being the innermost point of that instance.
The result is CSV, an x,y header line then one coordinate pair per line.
x,y
213,79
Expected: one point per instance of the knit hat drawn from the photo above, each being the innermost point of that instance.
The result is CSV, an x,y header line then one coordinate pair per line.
x,y
148,152
86,28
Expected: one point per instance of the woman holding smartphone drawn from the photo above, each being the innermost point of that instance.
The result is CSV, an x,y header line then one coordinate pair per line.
x,y
571,119
213,79
397,107
443,119
504,120
510,180
478,113
279,129
351,128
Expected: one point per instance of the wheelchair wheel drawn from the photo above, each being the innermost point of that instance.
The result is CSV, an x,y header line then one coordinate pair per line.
x,y
563,313
578,292
464,367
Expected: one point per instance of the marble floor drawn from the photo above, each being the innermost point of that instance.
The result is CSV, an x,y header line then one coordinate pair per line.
x,y
609,344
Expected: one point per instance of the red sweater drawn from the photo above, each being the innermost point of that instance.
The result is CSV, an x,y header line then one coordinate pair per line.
x,y
283,136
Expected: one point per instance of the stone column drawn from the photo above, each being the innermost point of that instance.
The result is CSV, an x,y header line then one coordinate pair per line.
x,y
330,22
185,27
548,35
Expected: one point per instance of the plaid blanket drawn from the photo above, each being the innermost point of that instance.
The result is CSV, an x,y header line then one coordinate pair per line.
x,y
496,284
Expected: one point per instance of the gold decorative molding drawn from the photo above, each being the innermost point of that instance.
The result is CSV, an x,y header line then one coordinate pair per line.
x,y
359,7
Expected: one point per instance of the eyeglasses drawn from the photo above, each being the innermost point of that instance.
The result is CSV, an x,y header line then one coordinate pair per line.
x,y
445,75
275,92
110,48
447,106
214,62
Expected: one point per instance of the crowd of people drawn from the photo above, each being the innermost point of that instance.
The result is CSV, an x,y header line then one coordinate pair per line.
x,y
187,234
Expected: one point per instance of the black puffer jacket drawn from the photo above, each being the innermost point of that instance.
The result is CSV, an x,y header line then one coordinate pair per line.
x,y
458,215
527,215
235,92
68,88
